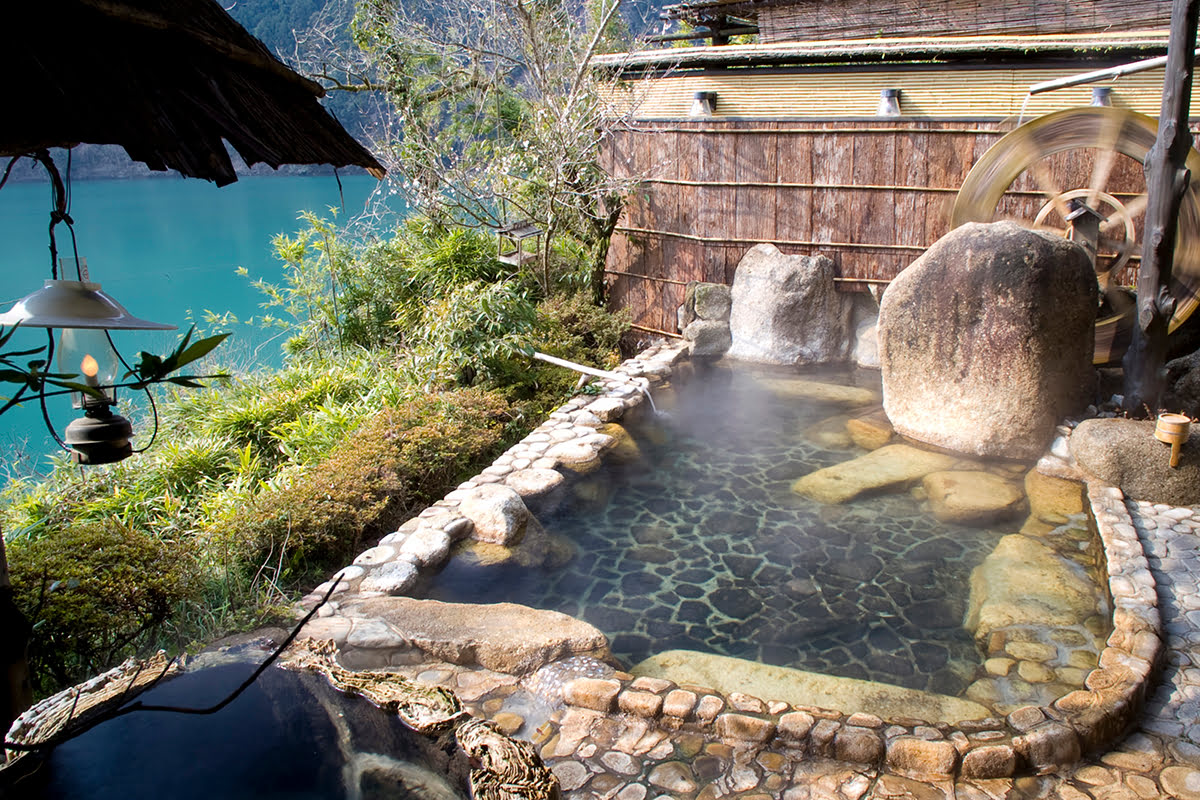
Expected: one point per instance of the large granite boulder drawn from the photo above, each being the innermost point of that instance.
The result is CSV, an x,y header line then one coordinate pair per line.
x,y
786,310
986,340
504,637
1125,454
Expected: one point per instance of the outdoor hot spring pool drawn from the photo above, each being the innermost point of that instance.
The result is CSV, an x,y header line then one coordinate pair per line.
x,y
701,545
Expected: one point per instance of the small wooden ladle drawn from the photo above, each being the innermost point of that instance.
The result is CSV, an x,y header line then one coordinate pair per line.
x,y
1173,429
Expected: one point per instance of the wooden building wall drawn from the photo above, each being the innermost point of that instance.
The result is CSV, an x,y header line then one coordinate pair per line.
x,y
871,195
819,19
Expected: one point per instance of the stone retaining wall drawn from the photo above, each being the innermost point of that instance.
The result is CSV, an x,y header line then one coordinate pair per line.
x,y
1040,739
570,436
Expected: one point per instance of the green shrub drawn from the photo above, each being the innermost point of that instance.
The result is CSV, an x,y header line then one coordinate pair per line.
x,y
312,521
96,593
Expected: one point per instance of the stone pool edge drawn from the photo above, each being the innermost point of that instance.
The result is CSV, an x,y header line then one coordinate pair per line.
x,y
1039,739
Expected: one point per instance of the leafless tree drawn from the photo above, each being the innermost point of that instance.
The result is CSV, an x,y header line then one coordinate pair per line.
x,y
489,111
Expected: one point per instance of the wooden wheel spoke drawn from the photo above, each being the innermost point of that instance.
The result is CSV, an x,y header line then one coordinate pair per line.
x,y
1049,188
1109,134
1114,245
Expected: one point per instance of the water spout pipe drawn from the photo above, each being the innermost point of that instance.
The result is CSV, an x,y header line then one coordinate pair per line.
x,y
642,384
1099,75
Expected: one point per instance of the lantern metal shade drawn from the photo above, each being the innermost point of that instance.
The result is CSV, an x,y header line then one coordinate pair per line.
x,y
75,304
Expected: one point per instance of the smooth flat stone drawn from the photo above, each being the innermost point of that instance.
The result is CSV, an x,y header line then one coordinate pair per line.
x,y
893,466
849,695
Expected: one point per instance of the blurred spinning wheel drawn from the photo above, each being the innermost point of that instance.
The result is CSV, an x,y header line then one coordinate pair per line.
x,y
1088,161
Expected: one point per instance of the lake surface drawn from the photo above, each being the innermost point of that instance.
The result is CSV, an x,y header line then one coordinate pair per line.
x,y
168,249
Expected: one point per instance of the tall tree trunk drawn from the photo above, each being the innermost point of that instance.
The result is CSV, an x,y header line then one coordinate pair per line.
x,y
604,227
1167,179
17,692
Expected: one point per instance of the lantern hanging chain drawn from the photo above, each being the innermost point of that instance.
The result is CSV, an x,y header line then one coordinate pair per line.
x,y
60,200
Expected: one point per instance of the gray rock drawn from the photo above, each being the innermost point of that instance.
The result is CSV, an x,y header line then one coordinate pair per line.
x,y
985,341
1183,385
1125,454
787,310
703,301
504,637
498,513
709,338
712,301
394,577
866,345
540,489
428,547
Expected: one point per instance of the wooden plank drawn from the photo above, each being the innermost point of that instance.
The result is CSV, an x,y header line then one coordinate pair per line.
x,y
872,219
951,157
794,206
833,163
911,169
754,208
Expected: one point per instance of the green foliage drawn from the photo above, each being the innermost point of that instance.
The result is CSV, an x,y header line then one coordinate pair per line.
x,y
416,370
479,332
398,461
96,593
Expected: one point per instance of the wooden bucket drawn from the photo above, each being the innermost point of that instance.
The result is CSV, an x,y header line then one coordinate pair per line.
x,y
1173,429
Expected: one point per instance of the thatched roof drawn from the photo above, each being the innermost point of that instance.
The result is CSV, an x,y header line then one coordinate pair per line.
x,y
168,80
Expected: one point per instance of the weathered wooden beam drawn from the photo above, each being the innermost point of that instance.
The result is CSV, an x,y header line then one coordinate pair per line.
x,y
1167,178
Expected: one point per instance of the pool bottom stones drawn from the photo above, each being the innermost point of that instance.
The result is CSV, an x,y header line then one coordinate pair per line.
x,y
1040,737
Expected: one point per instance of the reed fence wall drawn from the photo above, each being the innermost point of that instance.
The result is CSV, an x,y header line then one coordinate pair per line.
x,y
872,195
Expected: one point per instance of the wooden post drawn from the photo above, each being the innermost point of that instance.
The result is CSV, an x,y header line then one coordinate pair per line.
x,y
16,691
1167,179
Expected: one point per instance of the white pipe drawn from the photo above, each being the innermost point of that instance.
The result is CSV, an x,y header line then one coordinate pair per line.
x,y
1099,75
598,373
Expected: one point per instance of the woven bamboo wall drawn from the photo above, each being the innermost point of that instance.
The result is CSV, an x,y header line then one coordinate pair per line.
x,y
821,19
871,195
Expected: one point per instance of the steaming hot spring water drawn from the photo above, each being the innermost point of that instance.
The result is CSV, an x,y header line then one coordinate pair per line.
x,y
698,543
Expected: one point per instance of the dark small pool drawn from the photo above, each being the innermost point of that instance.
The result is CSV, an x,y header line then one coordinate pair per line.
x,y
288,736
702,545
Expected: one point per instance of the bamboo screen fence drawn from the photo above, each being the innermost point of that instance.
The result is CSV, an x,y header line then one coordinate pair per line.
x,y
871,195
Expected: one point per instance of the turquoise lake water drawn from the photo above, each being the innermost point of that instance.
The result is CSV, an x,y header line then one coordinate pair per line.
x,y
168,249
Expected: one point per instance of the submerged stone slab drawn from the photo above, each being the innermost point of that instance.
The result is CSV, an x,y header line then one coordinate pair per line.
x,y
830,433
972,497
1025,583
1052,499
870,431
818,392
504,637
893,466
849,695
